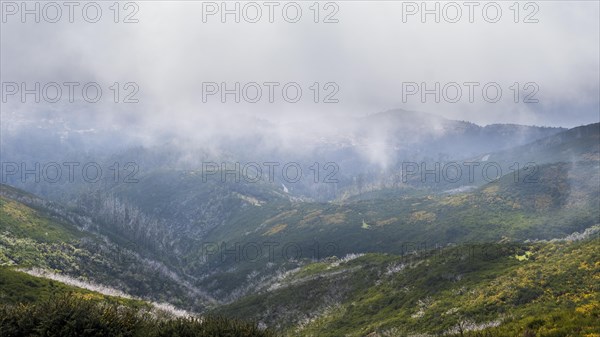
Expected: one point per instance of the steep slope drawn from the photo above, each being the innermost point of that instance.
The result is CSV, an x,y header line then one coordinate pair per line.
x,y
552,200
204,229
548,289
17,287
32,306
35,233
168,213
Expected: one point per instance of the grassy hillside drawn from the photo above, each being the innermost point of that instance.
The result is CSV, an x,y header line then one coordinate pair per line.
x,y
32,306
561,200
17,287
38,236
543,289
391,262
25,222
172,216
44,235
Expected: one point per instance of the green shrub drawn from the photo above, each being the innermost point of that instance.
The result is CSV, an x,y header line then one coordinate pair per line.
x,y
72,315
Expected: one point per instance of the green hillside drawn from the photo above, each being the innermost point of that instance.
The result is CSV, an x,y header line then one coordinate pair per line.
x,y
559,203
17,287
44,235
173,215
543,289
25,222
389,262
32,306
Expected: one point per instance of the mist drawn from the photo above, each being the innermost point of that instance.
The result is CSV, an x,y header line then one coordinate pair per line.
x,y
360,65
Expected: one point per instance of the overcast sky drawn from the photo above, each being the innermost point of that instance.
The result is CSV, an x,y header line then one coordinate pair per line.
x,y
367,56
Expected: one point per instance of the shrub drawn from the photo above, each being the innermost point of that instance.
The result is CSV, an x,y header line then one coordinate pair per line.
x,y
72,315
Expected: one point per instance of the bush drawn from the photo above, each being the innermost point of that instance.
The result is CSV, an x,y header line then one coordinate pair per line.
x,y
73,316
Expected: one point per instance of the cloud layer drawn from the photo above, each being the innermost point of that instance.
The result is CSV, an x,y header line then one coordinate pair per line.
x,y
365,57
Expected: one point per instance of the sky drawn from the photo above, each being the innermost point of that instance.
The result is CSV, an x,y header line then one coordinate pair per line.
x,y
358,59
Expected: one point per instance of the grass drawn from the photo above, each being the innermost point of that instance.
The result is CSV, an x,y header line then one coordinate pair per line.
x,y
554,292
25,222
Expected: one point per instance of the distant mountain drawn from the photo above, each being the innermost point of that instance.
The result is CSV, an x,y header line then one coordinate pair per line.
x,y
580,144
362,152
417,135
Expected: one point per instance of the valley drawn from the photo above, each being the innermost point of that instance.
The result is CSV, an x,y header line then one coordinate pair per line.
x,y
378,260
